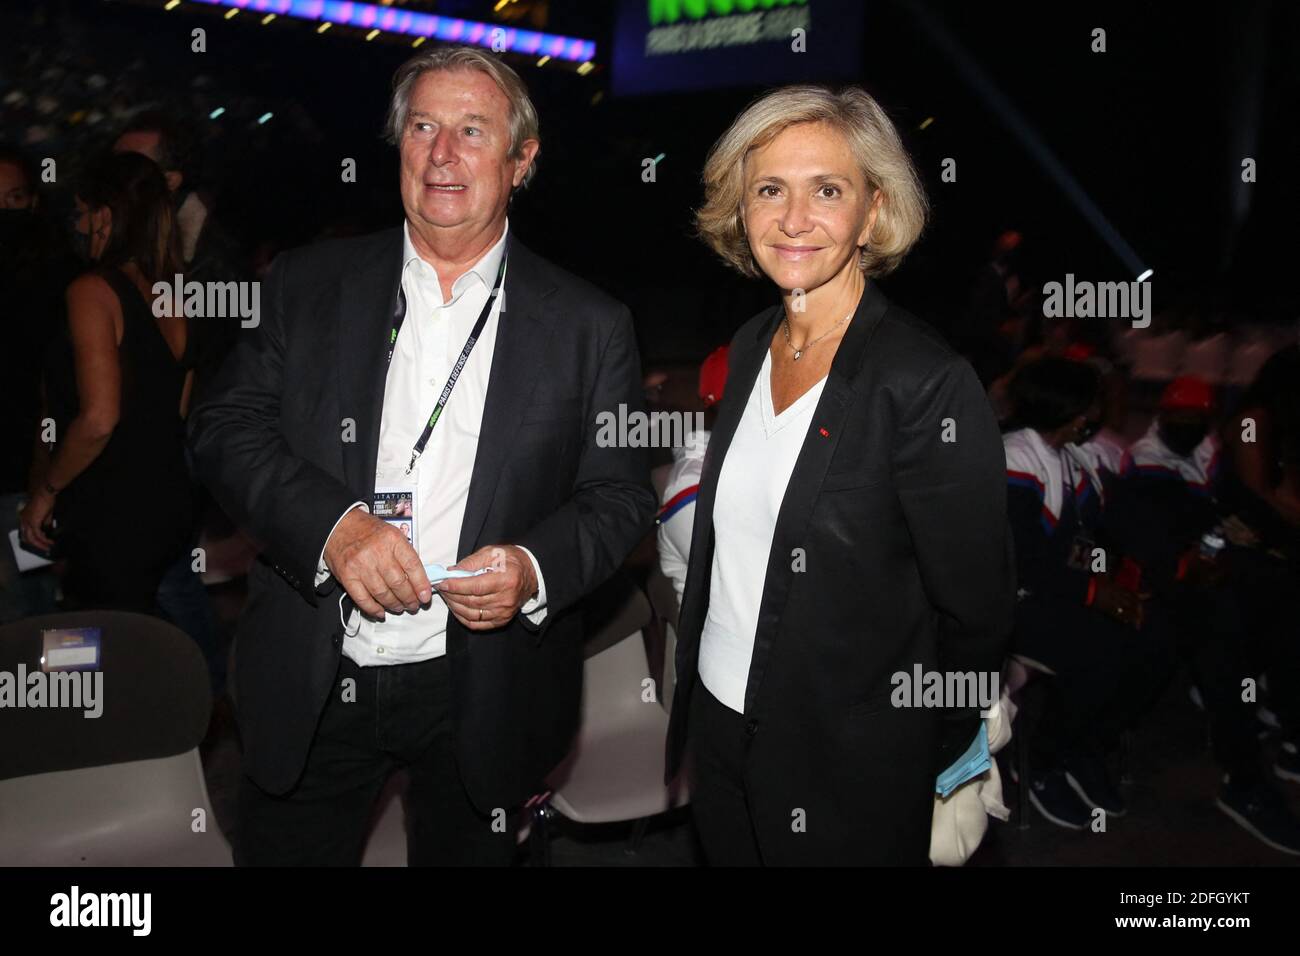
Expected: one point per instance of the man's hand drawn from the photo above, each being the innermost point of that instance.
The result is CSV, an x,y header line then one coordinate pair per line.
x,y
488,601
376,565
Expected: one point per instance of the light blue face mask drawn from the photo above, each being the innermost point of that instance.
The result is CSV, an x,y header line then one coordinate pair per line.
x,y
436,573
969,765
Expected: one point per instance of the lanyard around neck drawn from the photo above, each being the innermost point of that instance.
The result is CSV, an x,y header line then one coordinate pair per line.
x,y
400,317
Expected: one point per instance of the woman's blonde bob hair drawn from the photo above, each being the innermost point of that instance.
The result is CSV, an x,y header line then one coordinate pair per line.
x,y
872,139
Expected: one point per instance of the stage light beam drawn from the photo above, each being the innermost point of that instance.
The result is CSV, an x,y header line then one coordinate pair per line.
x,y
447,29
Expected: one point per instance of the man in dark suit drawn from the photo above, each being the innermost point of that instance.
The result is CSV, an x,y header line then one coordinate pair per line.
x,y
352,398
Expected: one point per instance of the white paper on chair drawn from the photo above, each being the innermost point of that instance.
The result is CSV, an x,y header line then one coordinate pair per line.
x,y
25,560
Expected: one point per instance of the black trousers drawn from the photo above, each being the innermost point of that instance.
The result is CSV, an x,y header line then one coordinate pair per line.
x,y
400,718
719,806
1240,631
1107,678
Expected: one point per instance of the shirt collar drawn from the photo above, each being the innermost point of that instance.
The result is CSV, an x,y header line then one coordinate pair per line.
x,y
485,269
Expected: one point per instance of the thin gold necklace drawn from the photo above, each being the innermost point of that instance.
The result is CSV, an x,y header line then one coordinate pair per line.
x,y
798,353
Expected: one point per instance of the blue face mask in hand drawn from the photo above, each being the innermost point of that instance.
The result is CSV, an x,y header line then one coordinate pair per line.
x,y
437,572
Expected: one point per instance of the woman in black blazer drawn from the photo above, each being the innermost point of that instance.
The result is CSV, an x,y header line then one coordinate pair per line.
x,y
850,526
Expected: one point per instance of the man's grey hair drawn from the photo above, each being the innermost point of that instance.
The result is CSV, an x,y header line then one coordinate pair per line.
x,y
523,115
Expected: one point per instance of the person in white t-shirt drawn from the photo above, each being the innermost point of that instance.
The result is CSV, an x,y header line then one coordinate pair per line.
x,y
677,504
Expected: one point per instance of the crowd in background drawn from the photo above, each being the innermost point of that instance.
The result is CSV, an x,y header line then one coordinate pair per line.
x,y
1132,443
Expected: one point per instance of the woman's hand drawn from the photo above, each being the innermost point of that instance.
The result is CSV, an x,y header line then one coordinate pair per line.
x,y
33,518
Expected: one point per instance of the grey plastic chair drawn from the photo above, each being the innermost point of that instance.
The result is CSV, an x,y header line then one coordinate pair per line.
x,y
386,844
125,788
614,771
663,650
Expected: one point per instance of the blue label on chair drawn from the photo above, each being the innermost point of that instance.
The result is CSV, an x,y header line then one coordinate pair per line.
x,y
70,649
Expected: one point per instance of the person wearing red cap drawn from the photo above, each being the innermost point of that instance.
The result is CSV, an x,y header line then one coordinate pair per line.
x,y
1166,502
1202,563
677,507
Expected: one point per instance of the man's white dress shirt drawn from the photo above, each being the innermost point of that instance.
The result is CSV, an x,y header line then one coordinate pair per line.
x,y
431,339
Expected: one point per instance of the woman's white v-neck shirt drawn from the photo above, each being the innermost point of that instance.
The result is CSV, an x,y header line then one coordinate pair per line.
x,y
751,488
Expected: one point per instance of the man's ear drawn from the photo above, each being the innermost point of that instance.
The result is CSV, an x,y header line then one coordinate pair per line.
x,y
174,180
527,153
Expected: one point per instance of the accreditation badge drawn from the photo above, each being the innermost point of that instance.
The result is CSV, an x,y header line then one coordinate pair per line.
x,y
396,503
1081,548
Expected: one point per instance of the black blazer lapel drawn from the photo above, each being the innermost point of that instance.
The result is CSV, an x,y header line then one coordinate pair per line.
x,y
523,327
742,379
819,445
745,364
365,316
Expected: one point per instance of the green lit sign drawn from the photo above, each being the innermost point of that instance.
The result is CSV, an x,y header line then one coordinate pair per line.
x,y
675,45
672,11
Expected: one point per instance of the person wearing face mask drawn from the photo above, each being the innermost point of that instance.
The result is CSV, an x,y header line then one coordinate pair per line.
x,y
1107,651
114,483
1229,598
1164,502
209,252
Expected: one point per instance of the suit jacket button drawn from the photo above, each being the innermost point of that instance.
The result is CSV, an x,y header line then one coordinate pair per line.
x,y
751,727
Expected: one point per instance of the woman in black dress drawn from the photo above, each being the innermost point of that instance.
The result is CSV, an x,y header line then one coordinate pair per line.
x,y
115,482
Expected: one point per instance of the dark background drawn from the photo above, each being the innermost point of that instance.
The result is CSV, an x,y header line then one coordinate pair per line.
x,y
1154,131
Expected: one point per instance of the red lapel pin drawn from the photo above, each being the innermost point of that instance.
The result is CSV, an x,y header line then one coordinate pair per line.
x,y
825,433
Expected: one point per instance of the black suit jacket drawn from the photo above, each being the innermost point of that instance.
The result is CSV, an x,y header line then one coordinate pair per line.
x,y
907,560
287,438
